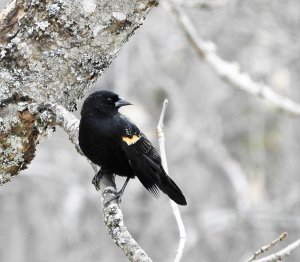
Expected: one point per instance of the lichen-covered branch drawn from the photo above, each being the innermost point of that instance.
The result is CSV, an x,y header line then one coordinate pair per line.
x,y
113,219
69,122
52,51
22,123
229,72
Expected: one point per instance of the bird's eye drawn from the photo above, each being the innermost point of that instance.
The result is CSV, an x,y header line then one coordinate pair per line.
x,y
109,100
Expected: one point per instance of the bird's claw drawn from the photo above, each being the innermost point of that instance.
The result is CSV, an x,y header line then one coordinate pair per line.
x,y
117,197
96,180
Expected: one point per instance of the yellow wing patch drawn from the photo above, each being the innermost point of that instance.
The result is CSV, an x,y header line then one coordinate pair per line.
x,y
130,140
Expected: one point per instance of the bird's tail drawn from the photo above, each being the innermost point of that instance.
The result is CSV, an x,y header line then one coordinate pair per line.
x,y
153,176
169,187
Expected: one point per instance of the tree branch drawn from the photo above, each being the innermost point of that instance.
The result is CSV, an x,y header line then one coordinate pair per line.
x,y
229,72
113,219
52,51
267,247
69,122
281,254
176,211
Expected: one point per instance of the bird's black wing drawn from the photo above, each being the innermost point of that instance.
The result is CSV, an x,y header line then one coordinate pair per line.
x,y
143,158
146,164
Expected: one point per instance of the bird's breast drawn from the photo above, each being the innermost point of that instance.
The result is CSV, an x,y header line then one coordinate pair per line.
x,y
102,144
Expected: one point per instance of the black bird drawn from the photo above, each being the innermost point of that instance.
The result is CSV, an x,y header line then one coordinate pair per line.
x,y
113,142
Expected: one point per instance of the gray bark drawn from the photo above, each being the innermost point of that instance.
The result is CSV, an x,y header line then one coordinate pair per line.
x,y
51,52
113,219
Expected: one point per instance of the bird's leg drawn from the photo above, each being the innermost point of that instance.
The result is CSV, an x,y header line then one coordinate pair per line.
x,y
97,179
120,193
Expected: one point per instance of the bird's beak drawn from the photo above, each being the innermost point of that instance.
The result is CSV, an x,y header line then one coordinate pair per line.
x,y
122,102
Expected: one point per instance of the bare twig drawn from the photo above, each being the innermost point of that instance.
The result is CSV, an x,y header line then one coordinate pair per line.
x,y
267,247
113,217
176,212
229,72
281,254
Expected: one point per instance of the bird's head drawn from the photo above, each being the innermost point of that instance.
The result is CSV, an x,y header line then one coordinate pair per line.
x,y
103,102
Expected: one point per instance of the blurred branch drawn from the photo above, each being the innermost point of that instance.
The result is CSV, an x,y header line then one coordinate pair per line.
x,y
176,211
217,152
205,4
267,247
229,72
113,217
281,254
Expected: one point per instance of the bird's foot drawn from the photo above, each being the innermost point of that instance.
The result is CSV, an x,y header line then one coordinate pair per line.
x,y
117,197
96,180
118,194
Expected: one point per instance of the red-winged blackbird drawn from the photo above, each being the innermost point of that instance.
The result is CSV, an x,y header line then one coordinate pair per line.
x,y
114,143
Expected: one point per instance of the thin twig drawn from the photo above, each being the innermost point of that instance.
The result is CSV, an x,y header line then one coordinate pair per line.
x,y
281,254
229,72
267,247
112,213
176,212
